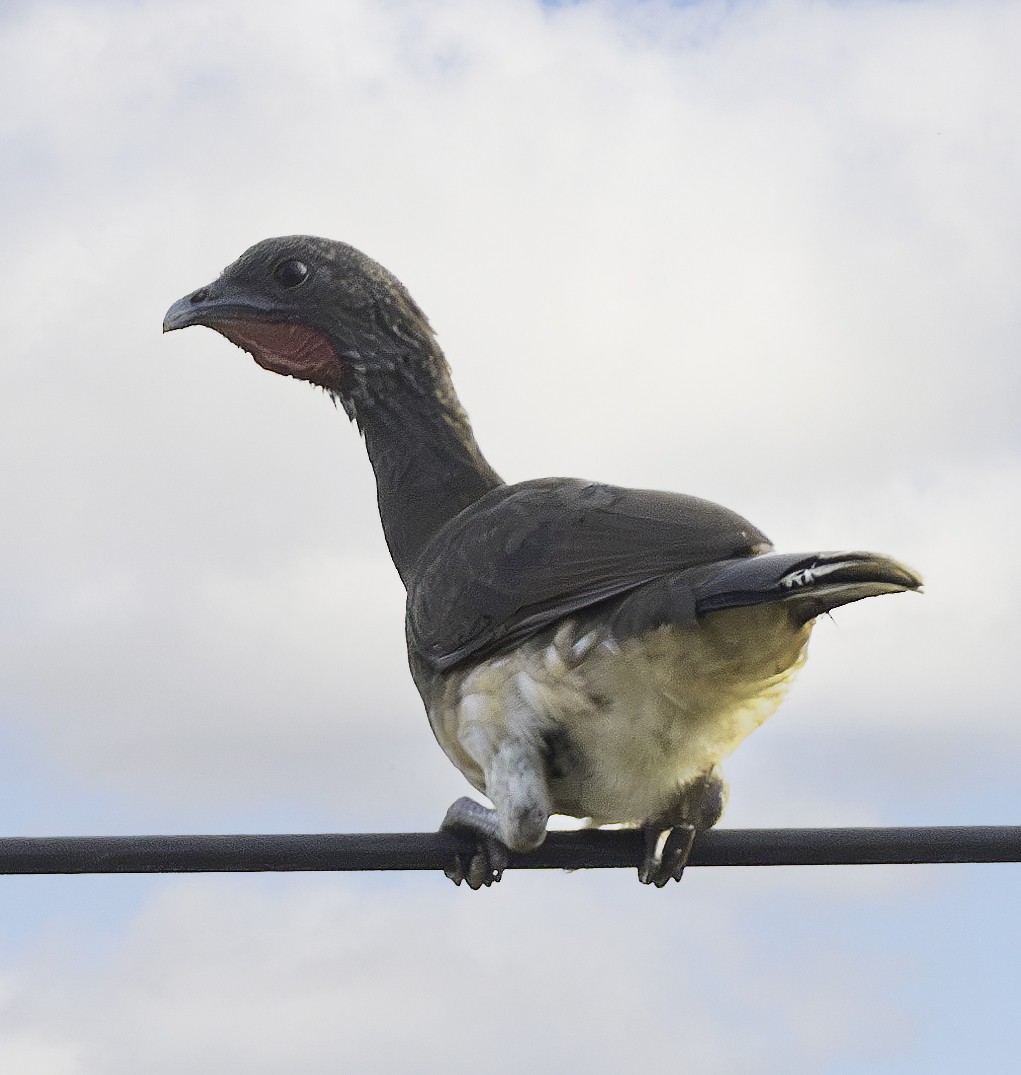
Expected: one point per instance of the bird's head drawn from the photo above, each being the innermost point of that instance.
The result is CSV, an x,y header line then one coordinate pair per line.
x,y
317,310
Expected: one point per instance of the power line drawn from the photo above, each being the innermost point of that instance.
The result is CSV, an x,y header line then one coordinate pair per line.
x,y
587,849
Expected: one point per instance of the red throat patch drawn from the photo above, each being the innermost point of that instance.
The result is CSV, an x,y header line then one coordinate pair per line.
x,y
288,349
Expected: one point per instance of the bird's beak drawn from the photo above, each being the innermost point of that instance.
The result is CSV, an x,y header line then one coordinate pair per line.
x,y
193,309
214,305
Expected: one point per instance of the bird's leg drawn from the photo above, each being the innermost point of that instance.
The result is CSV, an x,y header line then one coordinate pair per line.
x,y
516,783
670,836
486,864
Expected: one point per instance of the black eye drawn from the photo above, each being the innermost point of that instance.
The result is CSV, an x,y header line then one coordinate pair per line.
x,y
291,272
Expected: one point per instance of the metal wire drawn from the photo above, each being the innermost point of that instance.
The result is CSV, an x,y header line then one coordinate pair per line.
x,y
590,849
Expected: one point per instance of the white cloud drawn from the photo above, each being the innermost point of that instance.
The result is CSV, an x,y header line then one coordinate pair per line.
x,y
572,972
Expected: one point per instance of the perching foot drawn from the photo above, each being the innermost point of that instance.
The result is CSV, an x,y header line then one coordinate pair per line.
x,y
486,864
669,837
666,853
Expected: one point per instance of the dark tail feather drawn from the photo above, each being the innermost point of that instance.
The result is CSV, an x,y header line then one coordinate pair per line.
x,y
808,583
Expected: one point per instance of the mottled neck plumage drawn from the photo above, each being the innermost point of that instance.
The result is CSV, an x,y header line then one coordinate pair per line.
x,y
427,463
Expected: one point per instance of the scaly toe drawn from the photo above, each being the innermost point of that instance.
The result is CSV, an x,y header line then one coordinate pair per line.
x,y
456,872
676,853
666,854
485,865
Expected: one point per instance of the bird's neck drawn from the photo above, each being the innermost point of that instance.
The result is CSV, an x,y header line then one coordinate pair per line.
x,y
427,463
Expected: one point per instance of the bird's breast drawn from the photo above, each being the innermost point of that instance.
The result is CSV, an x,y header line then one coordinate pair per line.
x,y
622,725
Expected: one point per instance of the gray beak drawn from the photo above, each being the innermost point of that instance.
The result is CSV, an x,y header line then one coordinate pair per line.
x,y
214,304
193,309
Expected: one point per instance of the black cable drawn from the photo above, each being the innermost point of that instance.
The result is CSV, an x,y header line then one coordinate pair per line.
x,y
588,849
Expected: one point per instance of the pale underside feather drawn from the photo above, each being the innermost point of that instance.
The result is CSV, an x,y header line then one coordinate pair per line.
x,y
630,723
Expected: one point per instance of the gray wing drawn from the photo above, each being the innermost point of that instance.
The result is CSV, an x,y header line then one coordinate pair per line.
x,y
524,556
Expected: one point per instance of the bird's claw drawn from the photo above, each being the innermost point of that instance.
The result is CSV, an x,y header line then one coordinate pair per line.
x,y
481,868
666,854
485,865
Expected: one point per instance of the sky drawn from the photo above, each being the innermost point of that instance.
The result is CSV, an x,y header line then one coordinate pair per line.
x,y
762,252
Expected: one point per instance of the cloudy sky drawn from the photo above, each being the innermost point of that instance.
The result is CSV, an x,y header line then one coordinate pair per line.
x,y
764,252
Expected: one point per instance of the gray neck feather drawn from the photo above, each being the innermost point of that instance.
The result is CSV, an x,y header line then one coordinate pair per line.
x,y
427,463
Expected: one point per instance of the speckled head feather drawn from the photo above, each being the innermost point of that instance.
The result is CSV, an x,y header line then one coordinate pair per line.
x,y
321,311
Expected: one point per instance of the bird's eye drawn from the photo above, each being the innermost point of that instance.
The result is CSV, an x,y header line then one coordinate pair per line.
x,y
291,272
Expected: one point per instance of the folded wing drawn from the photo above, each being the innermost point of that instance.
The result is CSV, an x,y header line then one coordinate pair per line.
x,y
524,556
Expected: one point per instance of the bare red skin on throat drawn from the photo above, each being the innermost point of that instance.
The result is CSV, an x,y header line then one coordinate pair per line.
x,y
289,349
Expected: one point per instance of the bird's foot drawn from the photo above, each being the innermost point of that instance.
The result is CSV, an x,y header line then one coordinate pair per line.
x,y
670,836
486,864
666,853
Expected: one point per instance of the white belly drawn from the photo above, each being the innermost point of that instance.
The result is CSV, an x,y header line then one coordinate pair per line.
x,y
624,727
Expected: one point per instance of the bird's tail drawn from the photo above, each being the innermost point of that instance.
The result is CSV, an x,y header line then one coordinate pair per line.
x,y
809,584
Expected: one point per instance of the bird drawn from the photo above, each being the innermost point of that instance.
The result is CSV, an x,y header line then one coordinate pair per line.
x,y
581,649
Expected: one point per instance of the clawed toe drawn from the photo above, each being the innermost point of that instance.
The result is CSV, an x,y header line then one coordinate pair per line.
x,y
485,865
666,854
482,868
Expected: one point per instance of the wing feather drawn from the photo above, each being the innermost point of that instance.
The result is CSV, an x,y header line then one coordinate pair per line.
x,y
524,556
